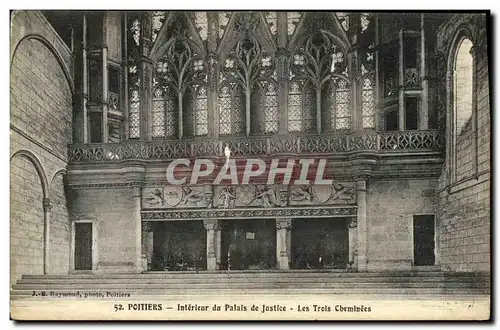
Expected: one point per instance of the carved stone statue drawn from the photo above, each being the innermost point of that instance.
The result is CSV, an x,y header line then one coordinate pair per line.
x,y
341,193
305,193
226,197
155,197
188,196
267,197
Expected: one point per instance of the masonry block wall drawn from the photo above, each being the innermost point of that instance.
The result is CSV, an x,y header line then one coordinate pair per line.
x,y
464,204
113,210
40,108
391,205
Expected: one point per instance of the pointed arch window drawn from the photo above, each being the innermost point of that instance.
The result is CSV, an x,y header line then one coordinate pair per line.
x,y
462,86
301,107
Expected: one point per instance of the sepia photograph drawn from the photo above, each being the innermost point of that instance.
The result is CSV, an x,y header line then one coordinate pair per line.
x,y
250,165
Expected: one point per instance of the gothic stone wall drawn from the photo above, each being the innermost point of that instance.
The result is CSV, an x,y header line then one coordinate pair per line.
x,y
113,210
390,209
464,231
40,109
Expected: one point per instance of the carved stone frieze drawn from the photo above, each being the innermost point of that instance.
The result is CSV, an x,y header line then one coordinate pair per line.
x,y
177,197
337,193
302,212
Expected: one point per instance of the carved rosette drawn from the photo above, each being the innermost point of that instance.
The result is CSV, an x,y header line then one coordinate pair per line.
x,y
353,223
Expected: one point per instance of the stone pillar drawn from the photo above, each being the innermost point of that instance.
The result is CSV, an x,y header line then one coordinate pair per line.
x,y
353,243
211,226
283,227
147,245
218,249
47,210
362,232
138,230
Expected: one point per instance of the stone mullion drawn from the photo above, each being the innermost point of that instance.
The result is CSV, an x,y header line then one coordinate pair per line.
x,y
282,63
354,63
213,73
401,92
357,113
424,102
379,102
85,88
282,70
105,81
124,94
146,83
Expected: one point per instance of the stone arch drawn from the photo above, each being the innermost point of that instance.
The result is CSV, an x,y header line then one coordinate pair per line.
x,y
463,32
38,167
52,50
61,171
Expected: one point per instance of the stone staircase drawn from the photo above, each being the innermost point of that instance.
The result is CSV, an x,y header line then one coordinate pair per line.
x,y
157,285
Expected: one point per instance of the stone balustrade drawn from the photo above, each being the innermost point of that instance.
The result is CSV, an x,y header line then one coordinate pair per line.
x,y
324,144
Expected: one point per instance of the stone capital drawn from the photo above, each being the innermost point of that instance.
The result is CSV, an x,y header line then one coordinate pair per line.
x,y
283,224
47,204
211,224
353,223
147,226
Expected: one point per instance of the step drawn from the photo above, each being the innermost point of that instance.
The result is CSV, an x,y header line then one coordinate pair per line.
x,y
232,274
255,280
214,286
134,294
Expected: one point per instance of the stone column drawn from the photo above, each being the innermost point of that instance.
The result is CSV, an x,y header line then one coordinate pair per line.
x,y
353,243
218,249
147,244
362,233
47,211
211,226
283,226
138,230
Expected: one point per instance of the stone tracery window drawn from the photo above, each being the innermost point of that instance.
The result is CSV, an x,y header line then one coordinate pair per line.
x,y
231,109
264,115
301,106
368,102
201,111
164,114
338,104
